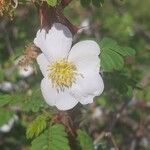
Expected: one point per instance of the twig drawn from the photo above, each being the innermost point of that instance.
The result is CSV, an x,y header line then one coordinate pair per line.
x,y
49,15
101,136
112,123
140,31
65,3
114,142
107,135
117,115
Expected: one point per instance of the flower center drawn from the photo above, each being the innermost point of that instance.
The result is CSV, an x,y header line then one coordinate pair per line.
x,y
62,73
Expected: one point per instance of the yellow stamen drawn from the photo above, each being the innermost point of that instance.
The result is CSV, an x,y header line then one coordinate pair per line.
x,y
62,73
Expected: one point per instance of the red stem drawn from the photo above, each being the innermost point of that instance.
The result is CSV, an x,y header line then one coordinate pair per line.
x,y
49,15
65,3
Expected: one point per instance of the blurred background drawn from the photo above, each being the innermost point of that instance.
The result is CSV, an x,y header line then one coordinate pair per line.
x,y
124,108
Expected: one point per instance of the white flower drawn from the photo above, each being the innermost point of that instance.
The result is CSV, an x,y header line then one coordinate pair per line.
x,y
26,72
71,75
8,126
6,86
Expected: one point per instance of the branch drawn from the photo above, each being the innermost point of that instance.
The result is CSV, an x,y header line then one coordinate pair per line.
x,y
107,135
64,118
49,15
117,114
65,3
141,32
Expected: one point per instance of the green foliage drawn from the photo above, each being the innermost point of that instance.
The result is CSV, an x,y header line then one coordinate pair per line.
x,y
112,54
84,140
96,3
121,26
147,93
33,103
4,99
4,116
52,2
144,95
10,99
1,74
124,21
102,101
124,82
36,127
54,138
85,3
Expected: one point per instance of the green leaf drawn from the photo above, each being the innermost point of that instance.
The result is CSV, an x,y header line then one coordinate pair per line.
x,y
4,116
11,99
101,100
54,138
111,60
147,93
27,103
130,91
52,2
97,3
125,82
34,102
4,99
108,43
84,140
36,127
128,51
112,54
85,3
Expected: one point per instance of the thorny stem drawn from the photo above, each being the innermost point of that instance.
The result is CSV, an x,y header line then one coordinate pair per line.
x,y
64,118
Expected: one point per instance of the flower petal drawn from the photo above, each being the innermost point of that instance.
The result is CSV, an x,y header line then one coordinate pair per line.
x,y
87,88
62,100
43,63
56,43
87,100
85,55
40,39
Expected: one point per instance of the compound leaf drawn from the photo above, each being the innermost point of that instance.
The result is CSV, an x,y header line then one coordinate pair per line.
x,y
36,127
54,138
84,140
